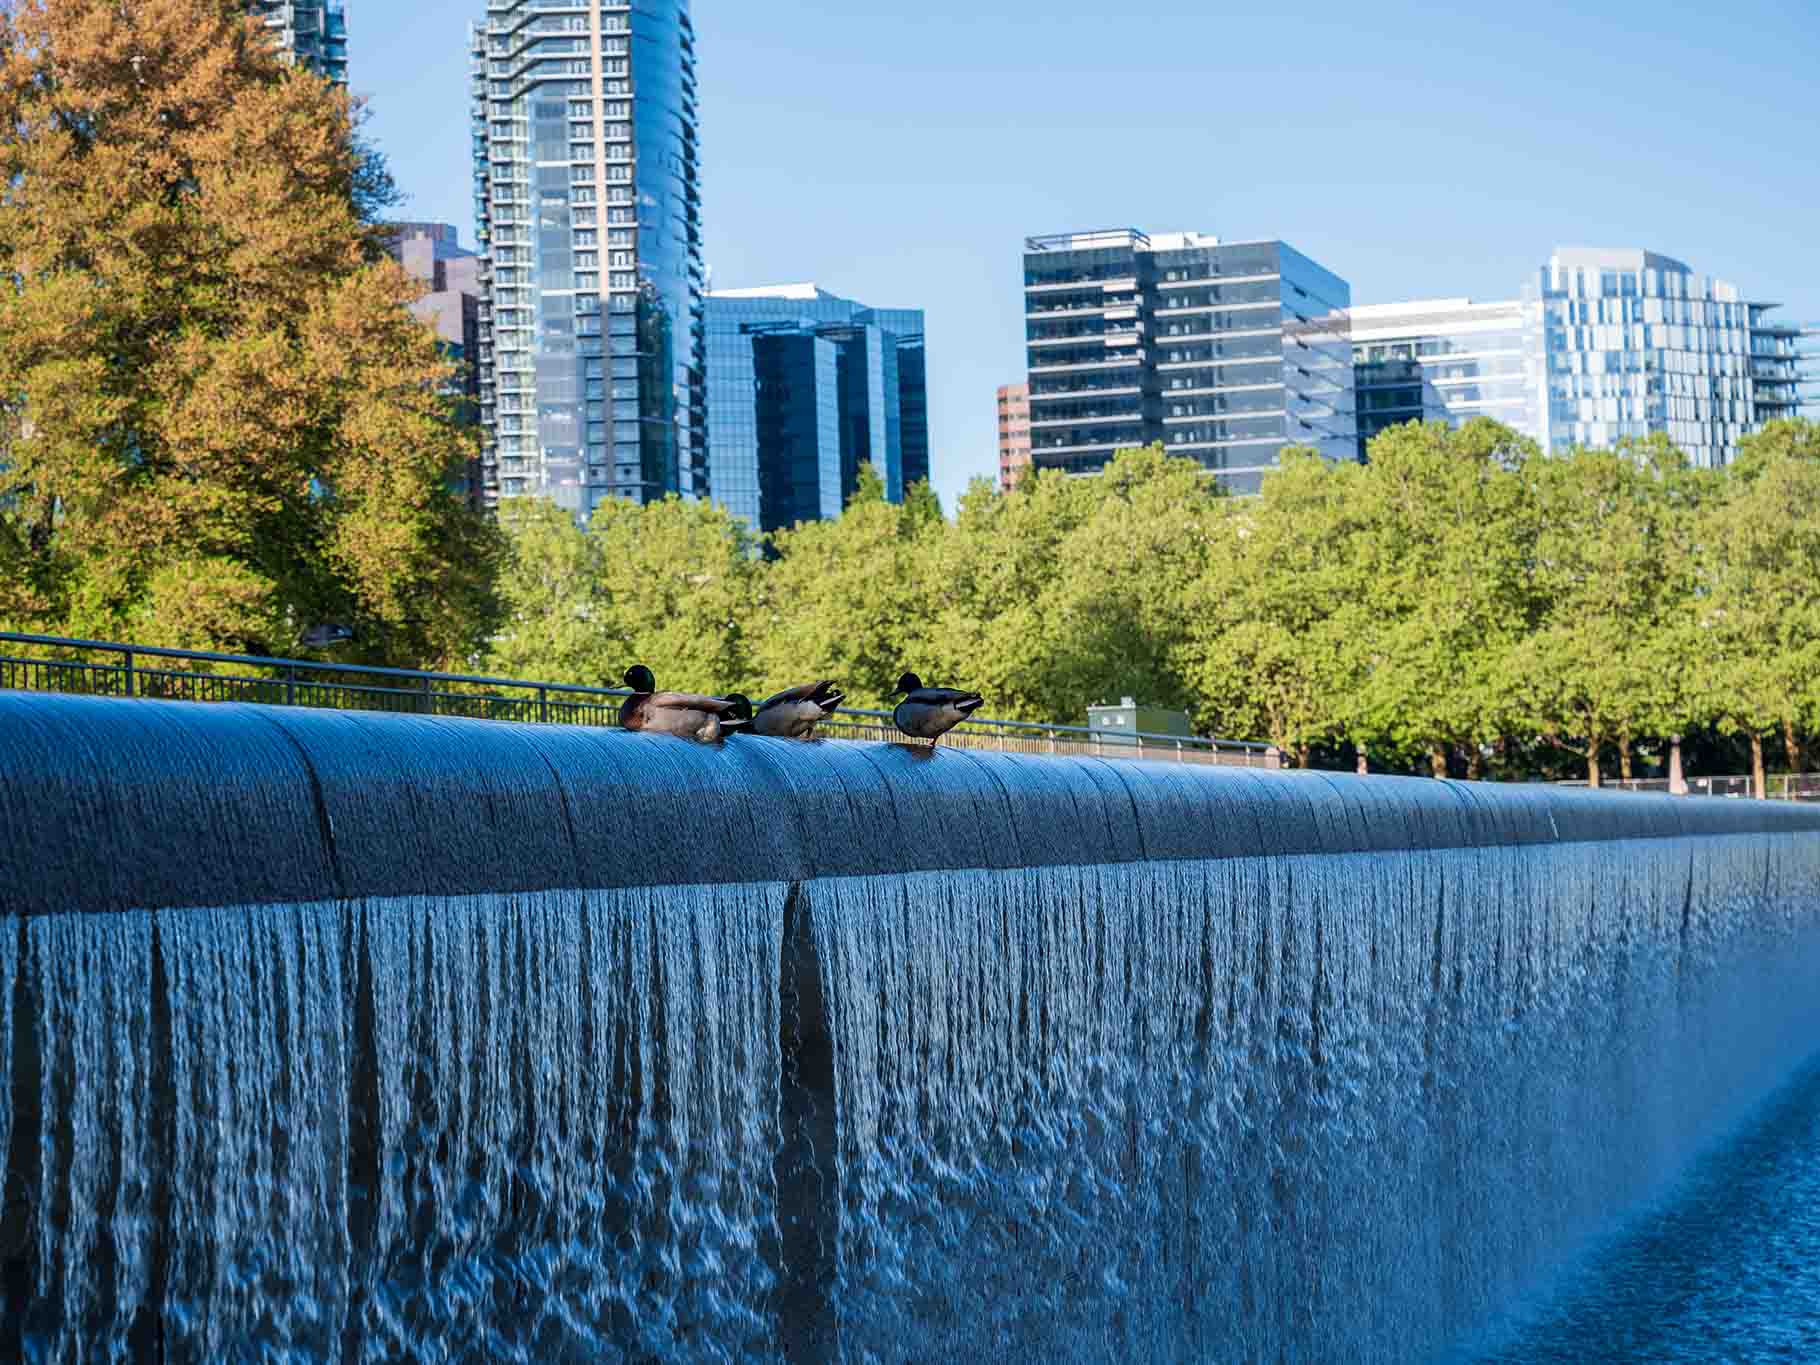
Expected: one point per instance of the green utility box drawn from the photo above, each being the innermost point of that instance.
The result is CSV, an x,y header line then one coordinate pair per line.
x,y
1122,724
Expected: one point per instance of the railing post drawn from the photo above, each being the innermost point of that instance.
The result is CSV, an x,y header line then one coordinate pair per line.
x,y
290,687
543,705
429,697
129,672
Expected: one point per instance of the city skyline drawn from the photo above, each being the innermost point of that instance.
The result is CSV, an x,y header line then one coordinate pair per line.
x,y
1458,192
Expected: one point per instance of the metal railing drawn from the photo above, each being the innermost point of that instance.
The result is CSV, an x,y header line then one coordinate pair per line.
x,y
104,669
1777,786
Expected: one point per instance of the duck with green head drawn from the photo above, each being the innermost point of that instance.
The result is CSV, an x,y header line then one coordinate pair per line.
x,y
931,712
683,714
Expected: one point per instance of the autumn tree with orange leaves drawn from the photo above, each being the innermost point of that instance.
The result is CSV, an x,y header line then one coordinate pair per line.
x,y
219,425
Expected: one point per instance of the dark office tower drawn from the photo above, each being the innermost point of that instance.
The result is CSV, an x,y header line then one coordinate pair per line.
x,y
315,32
803,388
1222,352
592,332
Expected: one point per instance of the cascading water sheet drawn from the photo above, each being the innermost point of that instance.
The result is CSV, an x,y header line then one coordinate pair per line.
x,y
1305,1108
10,935
862,1052
525,1128
90,983
260,1044
578,1099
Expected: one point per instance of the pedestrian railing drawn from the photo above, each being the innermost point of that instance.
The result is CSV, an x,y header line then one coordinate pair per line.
x,y
1777,786
47,663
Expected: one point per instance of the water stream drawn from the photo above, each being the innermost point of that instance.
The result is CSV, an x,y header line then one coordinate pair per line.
x,y
516,1045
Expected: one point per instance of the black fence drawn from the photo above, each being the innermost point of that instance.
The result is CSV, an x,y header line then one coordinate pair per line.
x,y
46,663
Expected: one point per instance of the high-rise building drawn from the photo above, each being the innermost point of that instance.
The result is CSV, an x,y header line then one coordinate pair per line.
x,y
1447,360
1637,343
1013,434
432,253
592,342
314,32
803,388
1605,344
1225,352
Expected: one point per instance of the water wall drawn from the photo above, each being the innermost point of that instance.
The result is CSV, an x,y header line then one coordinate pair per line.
x,y
332,1037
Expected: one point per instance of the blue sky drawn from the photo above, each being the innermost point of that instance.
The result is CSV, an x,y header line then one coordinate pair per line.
x,y
900,154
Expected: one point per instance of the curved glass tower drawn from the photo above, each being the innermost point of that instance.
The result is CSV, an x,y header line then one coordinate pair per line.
x,y
586,182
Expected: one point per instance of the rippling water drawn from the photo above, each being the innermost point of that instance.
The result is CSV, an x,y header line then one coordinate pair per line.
x,y
1726,1269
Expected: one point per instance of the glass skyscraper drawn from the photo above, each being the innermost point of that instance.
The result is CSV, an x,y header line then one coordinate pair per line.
x,y
1637,343
315,32
1606,343
592,341
1448,360
1225,352
803,388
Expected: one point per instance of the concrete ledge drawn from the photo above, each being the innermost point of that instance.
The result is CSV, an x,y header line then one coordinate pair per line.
x,y
107,805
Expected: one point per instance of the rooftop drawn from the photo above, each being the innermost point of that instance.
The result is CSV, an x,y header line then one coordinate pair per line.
x,y
800,292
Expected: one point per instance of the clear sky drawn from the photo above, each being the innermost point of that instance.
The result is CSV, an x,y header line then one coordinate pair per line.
x,y
899,154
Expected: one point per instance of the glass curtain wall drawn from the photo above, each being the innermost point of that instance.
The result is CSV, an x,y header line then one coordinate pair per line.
x,y
1637,343
592,329
864,397
1225,353
314,32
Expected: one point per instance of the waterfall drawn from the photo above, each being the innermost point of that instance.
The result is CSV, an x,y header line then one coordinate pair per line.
x,y
1305,1108
339,1038
506,1128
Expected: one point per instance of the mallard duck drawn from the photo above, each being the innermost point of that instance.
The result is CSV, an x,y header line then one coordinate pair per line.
x,y
682,714
794,713
931,712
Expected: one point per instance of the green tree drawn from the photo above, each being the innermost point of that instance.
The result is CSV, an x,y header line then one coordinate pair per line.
x,y
1265,645
1760,566
847,598
1605,662
670,584
1440,548
550,621
921,504
1067,592
221,425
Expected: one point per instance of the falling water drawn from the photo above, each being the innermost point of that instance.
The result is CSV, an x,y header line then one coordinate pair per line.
x,y
1304,1108
533,1128
338,1038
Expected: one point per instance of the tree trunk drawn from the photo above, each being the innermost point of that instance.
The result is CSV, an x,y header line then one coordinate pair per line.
x,y
1364,768
1797,761
1475,764
1593,778
1758,780
1677,779
1624,757
1301,756
1437,760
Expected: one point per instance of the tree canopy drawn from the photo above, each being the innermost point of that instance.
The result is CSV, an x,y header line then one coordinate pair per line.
x,y
220,425
1460,603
